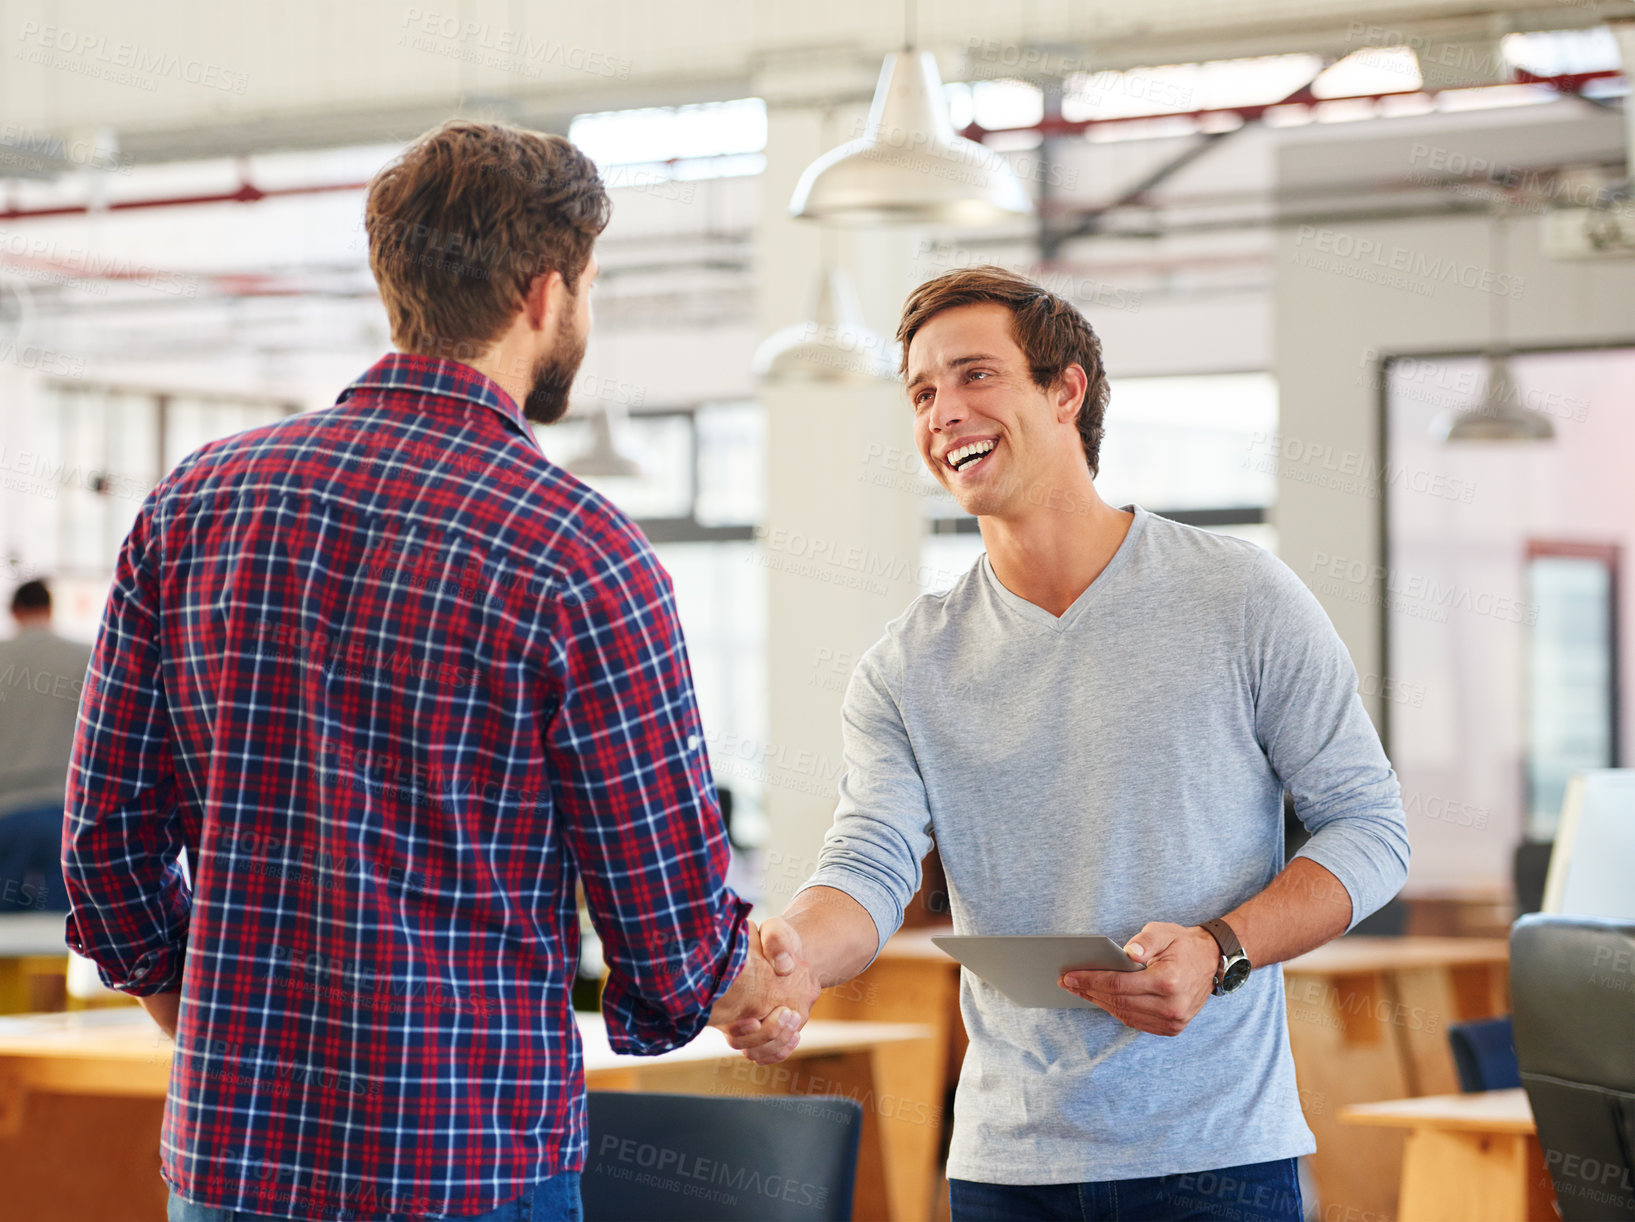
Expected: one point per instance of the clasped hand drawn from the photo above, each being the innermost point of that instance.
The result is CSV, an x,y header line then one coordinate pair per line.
x,y
763,1012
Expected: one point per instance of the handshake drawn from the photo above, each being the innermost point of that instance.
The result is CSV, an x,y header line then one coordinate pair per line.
x,y
763,1012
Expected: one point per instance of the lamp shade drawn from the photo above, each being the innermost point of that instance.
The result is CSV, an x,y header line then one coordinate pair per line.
x,y
16,312
834,347
909,167
604,458
1500,416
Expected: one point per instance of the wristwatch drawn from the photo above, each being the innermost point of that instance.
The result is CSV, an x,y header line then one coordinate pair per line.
x,y
1234,965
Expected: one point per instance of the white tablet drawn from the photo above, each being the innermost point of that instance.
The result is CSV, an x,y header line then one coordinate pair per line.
x,y
1025,967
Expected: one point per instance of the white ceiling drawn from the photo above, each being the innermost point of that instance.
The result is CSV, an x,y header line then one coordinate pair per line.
x,y
192,78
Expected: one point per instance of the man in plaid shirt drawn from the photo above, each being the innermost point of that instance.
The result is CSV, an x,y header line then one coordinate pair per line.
x,y
397,683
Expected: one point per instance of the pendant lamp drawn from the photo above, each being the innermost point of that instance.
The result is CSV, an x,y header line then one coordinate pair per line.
x,y
1500,415
604,458
909,167
835,347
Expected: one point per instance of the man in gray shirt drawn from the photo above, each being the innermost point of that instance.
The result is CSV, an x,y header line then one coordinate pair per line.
x,y
1096,724
41,677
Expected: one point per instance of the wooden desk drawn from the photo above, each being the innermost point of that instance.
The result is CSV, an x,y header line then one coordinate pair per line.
x,y
69,1080
911,981
1474,910
1469,1158
33,962
1368,1020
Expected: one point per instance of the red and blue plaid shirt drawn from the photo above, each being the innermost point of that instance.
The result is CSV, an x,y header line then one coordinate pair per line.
x,y
396,683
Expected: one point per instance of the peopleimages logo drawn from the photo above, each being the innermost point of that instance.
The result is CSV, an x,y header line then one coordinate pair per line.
x,y
54,473
68,261
21,145
1420,269
1439,383
496,47
1412,594
1351,471
692,1172
124,63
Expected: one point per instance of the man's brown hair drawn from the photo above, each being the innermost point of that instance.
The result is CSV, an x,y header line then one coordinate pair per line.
x,y
1050,331
462,221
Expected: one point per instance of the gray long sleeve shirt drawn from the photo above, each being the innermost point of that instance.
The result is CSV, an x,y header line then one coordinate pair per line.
x,y
1124,763
41,678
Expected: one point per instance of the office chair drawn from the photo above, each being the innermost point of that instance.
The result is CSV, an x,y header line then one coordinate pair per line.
x,y
31,861
1484,1054
1529,867
699,1158
1572,989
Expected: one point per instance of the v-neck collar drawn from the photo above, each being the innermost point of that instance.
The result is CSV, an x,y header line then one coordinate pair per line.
x,y
1035,614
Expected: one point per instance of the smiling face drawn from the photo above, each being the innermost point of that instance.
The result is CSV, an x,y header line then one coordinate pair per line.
x,y
992,436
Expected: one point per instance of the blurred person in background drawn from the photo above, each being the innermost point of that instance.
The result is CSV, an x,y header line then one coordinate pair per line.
x,y
398,683
41,677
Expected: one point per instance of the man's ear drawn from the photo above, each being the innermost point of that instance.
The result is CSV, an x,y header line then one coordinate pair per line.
x,y
547,301
1069,392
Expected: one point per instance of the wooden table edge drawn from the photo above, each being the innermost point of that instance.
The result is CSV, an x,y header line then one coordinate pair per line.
x,y
1403,1114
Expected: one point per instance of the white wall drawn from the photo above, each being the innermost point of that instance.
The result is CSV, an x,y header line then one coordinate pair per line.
x,y
1349,291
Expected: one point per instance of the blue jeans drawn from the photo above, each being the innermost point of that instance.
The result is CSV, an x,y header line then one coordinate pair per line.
x,y
1255,1192
552,1200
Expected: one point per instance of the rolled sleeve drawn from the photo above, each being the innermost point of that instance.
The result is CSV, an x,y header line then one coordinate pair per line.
x,y
640,813
123,836
1311,723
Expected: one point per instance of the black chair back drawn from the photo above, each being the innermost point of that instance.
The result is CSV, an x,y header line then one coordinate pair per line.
x,y
703,1158
1530,867
1572,989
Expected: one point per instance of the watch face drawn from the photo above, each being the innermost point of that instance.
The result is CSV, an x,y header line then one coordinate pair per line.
x,y
1236,973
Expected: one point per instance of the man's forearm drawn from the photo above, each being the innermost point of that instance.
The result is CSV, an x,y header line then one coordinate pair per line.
x,y
1302,908
838,936
164,1009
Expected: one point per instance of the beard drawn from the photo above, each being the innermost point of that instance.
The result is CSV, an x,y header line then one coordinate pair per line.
x,y
547,400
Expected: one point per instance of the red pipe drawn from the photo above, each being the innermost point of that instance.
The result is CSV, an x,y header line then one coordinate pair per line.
x,y
247,193
1572,82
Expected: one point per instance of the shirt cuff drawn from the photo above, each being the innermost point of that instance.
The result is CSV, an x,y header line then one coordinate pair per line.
x,y
732,962
1340,861
154,971
648,1028
879,903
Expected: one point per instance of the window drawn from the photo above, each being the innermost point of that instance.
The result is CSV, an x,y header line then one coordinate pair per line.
x,y
703,477
721,601
1190,443
702,494
712,140
1572,672
1500,666
1557,52
1178,88
92,456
